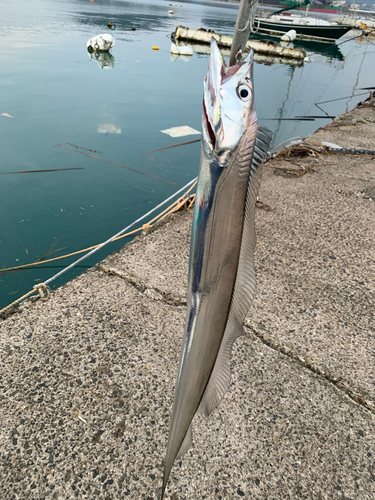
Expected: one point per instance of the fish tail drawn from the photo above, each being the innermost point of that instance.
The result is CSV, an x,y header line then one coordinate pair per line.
x,y
165,480
172,455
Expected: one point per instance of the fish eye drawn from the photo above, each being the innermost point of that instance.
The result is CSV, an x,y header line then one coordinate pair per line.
x,y
244,92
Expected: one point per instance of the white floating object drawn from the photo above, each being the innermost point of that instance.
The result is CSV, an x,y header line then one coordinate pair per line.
x,y
170,12
7,115
183,50
180,131
101,42
289,36
108,128
307,59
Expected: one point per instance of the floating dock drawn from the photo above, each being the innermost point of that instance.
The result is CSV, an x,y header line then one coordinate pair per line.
x,y
267,48
202,48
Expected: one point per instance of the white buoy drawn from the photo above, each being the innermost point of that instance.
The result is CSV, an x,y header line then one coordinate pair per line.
x,y
289,36
181,50
101,43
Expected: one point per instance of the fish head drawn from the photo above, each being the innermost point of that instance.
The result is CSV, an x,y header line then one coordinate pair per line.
x,y
228,102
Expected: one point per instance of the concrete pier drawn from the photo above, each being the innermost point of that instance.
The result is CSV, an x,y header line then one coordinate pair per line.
x,y
87,375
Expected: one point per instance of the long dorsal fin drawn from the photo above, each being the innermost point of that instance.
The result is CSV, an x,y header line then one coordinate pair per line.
x,y
245,285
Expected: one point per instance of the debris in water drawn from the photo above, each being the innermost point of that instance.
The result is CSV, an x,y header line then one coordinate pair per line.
x,y
86,149
102,42
169,147
38,171
180,131
119,164
108,128
6,114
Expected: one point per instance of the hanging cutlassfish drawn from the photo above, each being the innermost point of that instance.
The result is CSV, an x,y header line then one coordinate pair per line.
x,y
222,280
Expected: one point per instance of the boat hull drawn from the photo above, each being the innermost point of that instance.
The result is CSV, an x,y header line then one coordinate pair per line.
x,y
308,32
322,10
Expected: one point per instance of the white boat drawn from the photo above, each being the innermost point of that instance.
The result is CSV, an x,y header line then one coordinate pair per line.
x,y
309,28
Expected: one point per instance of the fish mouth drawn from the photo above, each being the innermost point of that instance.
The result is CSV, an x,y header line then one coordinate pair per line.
x,y
208,127
221,118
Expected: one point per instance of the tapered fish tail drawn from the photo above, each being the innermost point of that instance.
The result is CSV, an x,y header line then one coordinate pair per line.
x,y
165,480
176,449
167,470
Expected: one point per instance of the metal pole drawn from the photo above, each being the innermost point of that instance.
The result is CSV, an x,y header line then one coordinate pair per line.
x,y
242,29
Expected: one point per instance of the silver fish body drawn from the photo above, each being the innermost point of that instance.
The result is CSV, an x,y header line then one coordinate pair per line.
x,y
222,282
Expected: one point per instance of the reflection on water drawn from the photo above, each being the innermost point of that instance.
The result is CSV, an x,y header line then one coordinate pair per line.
x,y
180,57
200,48
220,26
145,21
127,16
329,50
105,60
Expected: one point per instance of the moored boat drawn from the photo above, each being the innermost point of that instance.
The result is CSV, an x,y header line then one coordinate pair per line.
x,y
315,5
306,27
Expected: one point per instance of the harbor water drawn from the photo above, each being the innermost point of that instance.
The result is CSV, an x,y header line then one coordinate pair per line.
x,y
55,96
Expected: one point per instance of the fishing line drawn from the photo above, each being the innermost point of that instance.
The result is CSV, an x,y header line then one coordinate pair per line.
x,y
341,98
329,84
356,82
